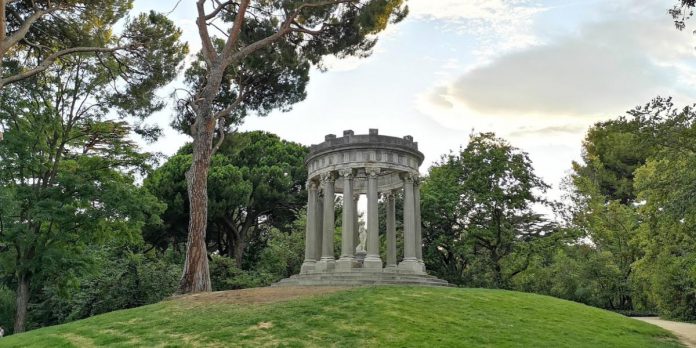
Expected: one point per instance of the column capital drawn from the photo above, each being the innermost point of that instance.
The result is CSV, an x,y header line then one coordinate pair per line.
x,y
409,177
328,177
312,185
347,173
372,171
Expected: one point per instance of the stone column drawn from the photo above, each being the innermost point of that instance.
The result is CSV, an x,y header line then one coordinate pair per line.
x,y
372,260
391,230
327,262
310,235
318,225
419,230
356,222
345,263
410,262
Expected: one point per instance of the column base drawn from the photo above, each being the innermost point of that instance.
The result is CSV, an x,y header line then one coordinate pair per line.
x,y
373,262
422,265
411,266
345,264
325,265
308,266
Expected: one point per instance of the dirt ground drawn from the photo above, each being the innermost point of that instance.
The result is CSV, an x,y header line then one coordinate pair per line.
x,y
258,295
685,331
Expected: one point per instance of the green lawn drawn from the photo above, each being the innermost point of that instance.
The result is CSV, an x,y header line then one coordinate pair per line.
x,y
359,317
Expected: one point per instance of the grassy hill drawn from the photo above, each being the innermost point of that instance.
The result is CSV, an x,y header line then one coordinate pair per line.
x,y
370,317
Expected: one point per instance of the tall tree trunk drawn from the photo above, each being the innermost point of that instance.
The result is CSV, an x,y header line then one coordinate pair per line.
x,y
196,276
230,243
239,246
22,303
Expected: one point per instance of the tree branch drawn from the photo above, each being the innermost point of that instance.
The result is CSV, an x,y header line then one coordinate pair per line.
x,y
209,53
221,136
3,23
219,8
300,29
236,29
18,35
46,63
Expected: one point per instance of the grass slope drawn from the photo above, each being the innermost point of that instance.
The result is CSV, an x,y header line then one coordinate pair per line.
x,y
369,317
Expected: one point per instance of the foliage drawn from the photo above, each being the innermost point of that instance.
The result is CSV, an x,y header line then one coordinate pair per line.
x,y
7,307
611,153
630,217
280,258
256,183
681,12
118,278
394,316
480,228
70,166
225,275
35,35
667,236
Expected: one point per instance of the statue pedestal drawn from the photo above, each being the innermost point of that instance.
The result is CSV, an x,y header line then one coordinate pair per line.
x,y
360,258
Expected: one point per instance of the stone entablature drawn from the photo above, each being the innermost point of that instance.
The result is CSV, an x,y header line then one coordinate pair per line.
x,y
354,165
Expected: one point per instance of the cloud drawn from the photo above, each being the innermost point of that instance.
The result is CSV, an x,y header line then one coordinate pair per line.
x,y
558,130
497,24
604,69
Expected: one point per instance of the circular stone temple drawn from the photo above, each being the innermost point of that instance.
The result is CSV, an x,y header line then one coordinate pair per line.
x,y
376,166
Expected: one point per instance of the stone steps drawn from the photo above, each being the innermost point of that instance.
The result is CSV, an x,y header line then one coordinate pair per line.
x,y
360,278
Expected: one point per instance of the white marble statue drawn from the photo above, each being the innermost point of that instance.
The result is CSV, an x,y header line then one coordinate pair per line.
x,y
362,236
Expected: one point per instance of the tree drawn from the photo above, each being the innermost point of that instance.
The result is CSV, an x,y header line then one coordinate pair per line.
x,y
256,183
611,152
618,211
34,34
479,222
68,164
665,186
262,63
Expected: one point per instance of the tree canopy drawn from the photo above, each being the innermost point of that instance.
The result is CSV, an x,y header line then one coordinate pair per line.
x,y
256,183
478,213
71,163
36,34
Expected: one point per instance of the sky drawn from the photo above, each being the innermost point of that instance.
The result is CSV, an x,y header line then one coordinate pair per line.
x,y
536,73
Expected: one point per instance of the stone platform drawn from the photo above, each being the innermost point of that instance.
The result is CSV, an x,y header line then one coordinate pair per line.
x,y
360,277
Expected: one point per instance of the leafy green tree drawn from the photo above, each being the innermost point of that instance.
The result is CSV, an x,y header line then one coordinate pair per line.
x,y
630,201
665,187
611,153
256,182
34,34
479,222
261,63
603,205
68,161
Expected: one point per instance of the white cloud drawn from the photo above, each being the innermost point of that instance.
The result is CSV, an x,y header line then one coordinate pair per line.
x,y
604,69
497,24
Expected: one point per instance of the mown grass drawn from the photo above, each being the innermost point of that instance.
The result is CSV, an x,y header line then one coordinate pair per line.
x,y
368,317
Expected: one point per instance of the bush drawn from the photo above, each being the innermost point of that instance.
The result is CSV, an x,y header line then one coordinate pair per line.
x,y
225,275
119,280
7,308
